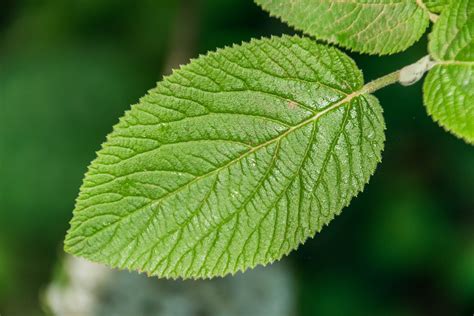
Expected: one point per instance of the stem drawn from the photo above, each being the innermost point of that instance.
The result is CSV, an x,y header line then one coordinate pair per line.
x,y
381,82
433,17
406,76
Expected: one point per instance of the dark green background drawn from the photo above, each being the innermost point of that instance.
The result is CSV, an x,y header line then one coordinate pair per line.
x,y
70,68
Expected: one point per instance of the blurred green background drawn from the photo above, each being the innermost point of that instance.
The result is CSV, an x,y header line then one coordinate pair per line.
x,y
69,69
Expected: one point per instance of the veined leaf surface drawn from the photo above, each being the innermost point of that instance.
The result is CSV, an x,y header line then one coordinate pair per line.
x,y
436,6
232,161
449,86
367,26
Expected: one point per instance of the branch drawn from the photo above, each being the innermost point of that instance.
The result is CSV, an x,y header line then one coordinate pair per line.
x,y
406,76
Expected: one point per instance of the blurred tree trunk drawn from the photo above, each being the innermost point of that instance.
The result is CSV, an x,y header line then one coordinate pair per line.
x,y
185,35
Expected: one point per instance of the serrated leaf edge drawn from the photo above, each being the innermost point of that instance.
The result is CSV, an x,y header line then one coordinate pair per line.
x,y
360,92
347,47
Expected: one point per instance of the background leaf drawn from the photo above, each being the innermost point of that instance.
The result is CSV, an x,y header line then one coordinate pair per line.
x,y
436,6
375,27
232,161
449,86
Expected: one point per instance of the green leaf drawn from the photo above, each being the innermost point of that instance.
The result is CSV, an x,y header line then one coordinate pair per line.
x,y
452,37
436,6
449,86
232,161
368,26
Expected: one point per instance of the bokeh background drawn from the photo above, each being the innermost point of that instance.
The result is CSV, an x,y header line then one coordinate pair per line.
x,y
69,69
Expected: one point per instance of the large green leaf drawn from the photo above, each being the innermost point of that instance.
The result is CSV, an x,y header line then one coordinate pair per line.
x,y
436,5
367,26
232,161
449,86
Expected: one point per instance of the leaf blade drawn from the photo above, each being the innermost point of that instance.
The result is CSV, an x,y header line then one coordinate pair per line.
x,y
375,27
449,86
436,6
188,192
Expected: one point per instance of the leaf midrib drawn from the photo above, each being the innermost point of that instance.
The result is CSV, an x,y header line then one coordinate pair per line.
x,y
311,119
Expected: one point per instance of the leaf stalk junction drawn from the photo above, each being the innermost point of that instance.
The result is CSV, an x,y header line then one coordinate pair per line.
x,y
406,76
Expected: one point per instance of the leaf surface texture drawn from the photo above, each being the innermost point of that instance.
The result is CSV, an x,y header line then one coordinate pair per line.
x,y
232,161
436,6
449,86
368,26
